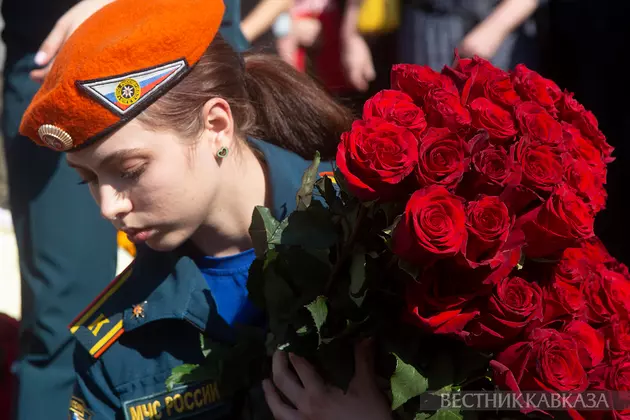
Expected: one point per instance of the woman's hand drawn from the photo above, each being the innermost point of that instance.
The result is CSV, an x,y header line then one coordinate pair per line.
x,y
312,399
483,41
62,30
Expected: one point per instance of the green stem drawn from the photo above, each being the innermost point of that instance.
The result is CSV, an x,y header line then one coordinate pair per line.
x,y
346,251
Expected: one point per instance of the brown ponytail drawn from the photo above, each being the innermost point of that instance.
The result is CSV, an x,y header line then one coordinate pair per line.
x,y
269,100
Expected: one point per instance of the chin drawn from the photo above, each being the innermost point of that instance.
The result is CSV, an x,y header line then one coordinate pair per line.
x,y
165,242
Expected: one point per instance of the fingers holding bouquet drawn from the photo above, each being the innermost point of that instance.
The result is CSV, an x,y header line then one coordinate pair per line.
x,y
307,396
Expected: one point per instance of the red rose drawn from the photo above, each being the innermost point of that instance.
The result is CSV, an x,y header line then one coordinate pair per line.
x,y
569,108
561,223
477,67
617,287
572,267
590,342
501,91
441,158
488,222
618,335
581,148
439,306
496,166
588,125
494,119
533,87
541,165
375,157
548,361
596,253
607,293
615,377
396,107
538,125
479,78
417,80
492,170
444,109
433,226
562,300
514,305
587,183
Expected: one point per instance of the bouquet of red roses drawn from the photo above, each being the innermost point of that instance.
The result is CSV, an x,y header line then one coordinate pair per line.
x,y
457,231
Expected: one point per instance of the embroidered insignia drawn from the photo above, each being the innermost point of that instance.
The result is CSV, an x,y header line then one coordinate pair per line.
x,y
124,93
128,92
97,330
78,410
180,402
138,310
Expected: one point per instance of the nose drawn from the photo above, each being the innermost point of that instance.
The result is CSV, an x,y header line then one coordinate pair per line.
x,y
113,204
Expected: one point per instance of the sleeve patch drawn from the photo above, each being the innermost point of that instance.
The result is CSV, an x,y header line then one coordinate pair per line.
x,y
78,410
179,403
98,327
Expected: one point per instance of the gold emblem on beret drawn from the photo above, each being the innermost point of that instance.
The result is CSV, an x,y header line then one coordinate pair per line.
x,y
55,137
128,91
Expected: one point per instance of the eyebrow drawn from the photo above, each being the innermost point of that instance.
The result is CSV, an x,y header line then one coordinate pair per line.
x,y
115,157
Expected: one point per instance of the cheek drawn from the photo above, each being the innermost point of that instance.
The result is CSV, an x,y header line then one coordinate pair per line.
x,y
174,193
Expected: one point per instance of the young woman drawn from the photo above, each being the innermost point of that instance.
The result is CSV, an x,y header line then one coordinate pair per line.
x,y
179,138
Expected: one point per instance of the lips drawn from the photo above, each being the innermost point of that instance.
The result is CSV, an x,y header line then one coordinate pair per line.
x,y
138,235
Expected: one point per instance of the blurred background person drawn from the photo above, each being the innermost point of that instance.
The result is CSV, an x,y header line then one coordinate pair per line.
x,y
259,17
67,252
502,31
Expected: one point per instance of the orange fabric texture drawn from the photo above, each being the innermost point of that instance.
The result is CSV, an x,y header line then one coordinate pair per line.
x,y
126,36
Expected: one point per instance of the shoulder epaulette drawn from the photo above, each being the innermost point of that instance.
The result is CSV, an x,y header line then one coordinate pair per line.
x,y
99,326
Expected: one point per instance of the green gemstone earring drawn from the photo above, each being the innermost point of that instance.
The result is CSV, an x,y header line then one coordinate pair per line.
x,y
223,152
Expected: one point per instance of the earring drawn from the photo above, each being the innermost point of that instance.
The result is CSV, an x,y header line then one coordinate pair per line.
x,y
223,152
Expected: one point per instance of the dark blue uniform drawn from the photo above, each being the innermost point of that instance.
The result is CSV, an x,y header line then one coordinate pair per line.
x,y
127,352
67,250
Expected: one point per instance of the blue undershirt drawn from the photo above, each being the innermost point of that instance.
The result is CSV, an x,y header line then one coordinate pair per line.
x,y
227,280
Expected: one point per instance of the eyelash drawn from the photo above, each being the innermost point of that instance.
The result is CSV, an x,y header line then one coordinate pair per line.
x,y
133,175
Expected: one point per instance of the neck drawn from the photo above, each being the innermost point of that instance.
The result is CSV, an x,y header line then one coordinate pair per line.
x,y
226,230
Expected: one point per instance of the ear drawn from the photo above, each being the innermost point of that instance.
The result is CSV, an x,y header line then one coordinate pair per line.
x,y
218,123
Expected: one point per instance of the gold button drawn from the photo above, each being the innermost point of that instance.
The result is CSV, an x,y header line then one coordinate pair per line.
x,y
55,137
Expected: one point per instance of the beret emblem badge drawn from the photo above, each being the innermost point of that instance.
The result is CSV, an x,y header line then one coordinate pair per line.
x,y
55,137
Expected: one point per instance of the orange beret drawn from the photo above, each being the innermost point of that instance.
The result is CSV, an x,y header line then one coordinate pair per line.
x,y
118,62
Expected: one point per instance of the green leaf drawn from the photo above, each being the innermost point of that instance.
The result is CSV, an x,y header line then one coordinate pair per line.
x,y
409,268
306,272
319,311
313,228
387,232
357,278
327,190
342,183
279,296
264,229
206,346
190,373
406,383
305,193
